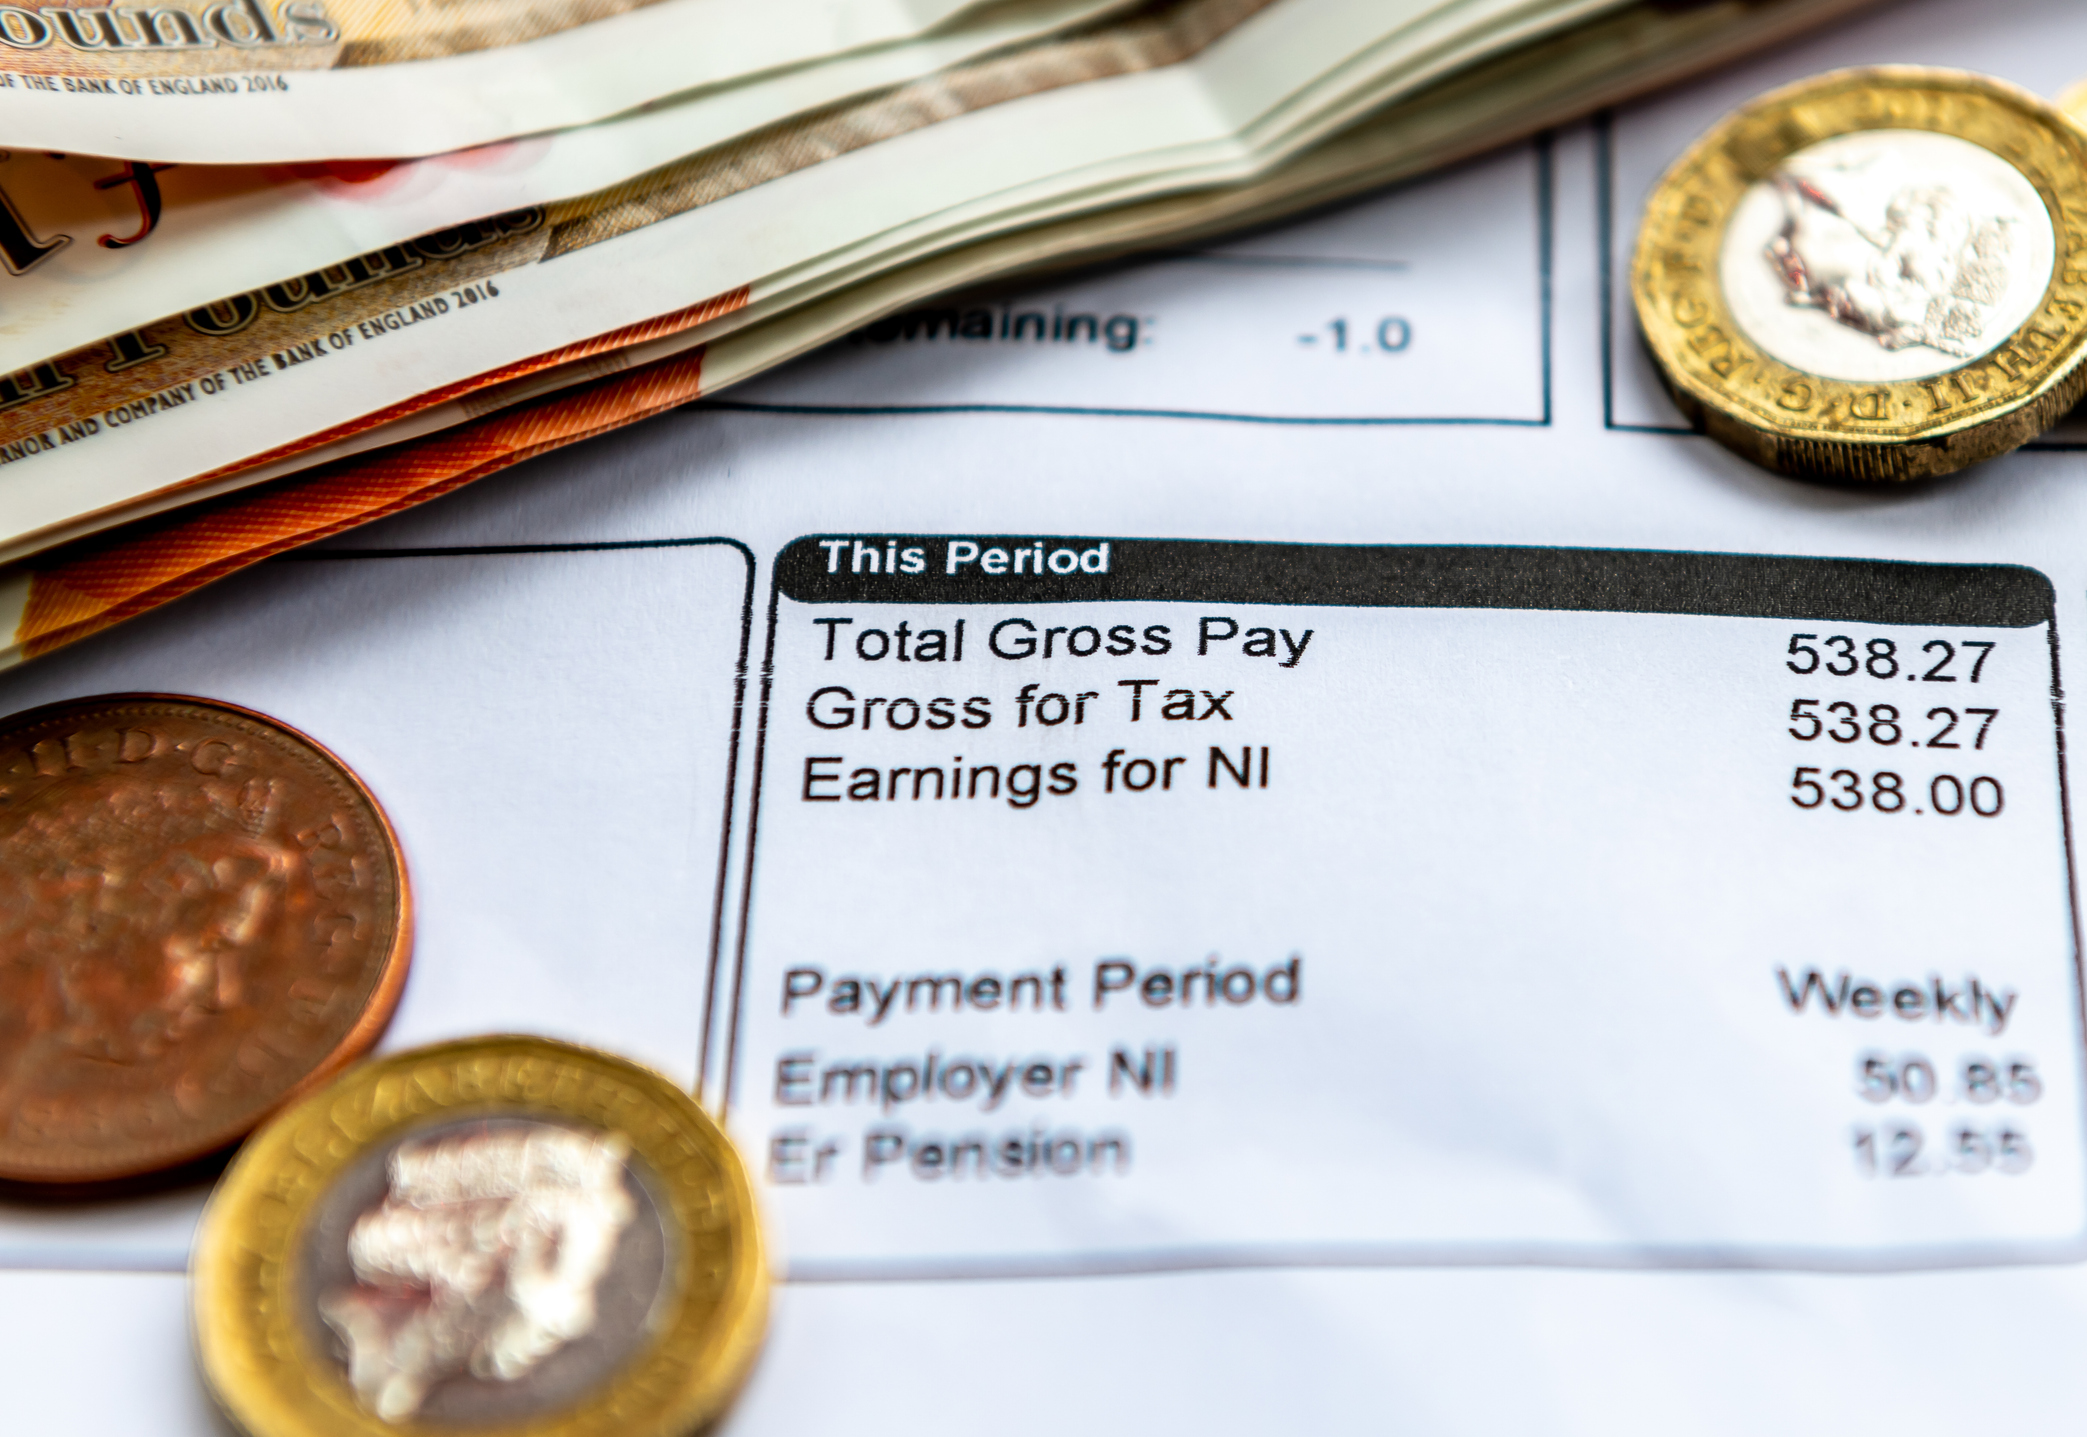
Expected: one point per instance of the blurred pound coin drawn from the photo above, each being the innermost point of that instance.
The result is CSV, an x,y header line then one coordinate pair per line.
x,y
507,1235
202,913
1877,274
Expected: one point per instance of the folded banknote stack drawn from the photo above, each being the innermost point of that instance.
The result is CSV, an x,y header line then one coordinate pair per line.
x,y
276,268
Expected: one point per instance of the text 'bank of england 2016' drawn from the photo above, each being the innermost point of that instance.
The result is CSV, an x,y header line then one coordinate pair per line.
x,y
1122,903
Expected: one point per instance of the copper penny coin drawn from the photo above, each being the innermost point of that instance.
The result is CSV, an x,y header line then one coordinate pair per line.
x,y
203,913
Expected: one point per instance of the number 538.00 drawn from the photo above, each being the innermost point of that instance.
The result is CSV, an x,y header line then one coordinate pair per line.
x,y
1845,790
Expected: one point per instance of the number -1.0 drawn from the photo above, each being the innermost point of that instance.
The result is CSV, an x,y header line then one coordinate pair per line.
x,y
1392,335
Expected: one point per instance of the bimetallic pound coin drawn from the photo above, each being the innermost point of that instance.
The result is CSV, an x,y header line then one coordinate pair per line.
x,y
202,913
1877,274
503,1235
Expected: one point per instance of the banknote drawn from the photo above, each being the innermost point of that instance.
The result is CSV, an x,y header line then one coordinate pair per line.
x,y
270,81
1201,92
63,596
93,246
91,588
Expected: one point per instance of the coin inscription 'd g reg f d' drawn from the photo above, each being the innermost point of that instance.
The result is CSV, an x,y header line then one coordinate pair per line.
x,y
1875,274
202,913
507,1236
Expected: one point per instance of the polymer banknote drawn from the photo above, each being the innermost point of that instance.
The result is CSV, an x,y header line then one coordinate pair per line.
x,y
1199,92
52,600
90,247
276,81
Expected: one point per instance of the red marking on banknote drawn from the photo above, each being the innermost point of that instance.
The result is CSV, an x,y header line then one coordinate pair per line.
x,y
512,154
348,172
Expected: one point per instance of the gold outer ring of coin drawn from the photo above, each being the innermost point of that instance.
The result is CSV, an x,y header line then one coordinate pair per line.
x,y
189,994
261,1352
1799,423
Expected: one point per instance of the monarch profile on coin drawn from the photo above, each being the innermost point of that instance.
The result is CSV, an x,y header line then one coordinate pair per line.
x,y
1876,274
486,1255
201,912
501,1234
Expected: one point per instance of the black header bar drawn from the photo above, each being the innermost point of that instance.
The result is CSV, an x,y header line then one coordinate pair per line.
x,y
1056,569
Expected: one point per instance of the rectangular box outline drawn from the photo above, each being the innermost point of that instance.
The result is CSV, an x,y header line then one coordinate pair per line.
x,y
1546,232
1571,566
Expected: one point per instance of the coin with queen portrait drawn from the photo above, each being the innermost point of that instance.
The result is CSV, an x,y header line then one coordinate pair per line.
x,y
1874,274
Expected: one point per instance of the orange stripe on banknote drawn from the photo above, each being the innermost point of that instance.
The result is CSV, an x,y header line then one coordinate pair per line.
x,y
609,343
657,327
102,583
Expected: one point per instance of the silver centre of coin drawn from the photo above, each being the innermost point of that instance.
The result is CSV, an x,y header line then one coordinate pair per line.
x,y
483,1256
1886,255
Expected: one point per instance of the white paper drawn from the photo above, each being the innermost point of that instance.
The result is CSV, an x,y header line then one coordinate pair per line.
x,y
1320,956
561,812
1534,1140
